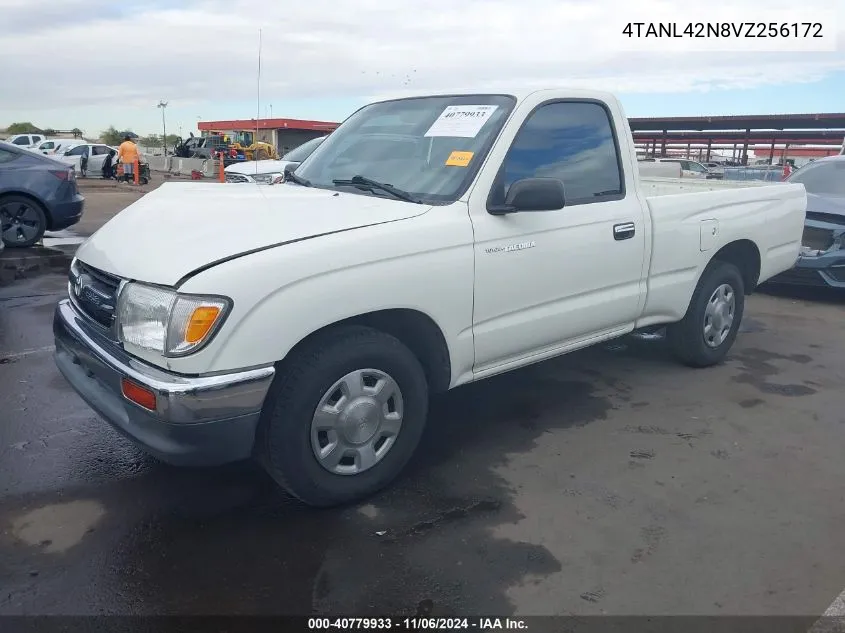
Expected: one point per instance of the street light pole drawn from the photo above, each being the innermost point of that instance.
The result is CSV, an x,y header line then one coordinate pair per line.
x,y
163,106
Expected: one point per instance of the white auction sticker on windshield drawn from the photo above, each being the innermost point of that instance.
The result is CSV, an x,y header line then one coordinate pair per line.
x,y
464,121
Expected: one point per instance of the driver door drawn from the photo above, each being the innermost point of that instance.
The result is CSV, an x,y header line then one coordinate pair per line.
x,y
550,280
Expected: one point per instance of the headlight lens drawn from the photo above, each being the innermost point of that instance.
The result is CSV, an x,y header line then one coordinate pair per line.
x,y
265,179
164,321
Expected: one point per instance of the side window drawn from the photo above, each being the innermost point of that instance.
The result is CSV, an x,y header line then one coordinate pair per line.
x,y
570,141
100,150
6,156
21,140
79,150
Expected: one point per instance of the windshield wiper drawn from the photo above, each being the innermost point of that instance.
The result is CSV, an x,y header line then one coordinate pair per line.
x,y
367,183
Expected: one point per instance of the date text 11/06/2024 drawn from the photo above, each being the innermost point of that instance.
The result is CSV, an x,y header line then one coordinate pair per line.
x,y
417,624
796,30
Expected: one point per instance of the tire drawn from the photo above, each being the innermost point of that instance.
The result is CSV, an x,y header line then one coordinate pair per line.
x,y
689,342
31,217
287,438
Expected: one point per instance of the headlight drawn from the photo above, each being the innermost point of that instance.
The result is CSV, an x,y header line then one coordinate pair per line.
x,y
266,179
166,321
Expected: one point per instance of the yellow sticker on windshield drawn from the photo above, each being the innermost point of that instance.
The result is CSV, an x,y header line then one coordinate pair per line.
x,y
459,159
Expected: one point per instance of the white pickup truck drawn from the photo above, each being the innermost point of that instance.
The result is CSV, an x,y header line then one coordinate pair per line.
x,y
429,242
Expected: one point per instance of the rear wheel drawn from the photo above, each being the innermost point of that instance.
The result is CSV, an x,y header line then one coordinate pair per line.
x,y
709,328
343,417
22,221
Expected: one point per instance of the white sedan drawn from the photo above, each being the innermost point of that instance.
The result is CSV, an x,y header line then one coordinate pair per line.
x,y
96,152
56,145
265,172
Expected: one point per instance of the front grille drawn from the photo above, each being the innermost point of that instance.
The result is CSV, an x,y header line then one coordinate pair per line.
x,y
94,292
817,239
236,178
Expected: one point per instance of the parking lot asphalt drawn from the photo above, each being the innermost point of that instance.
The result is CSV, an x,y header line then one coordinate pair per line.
x,y
609,481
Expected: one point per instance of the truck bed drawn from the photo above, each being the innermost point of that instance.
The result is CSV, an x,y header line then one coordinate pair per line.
x,y
692,219
655,186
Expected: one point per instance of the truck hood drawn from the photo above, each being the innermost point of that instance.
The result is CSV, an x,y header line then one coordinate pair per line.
x,y
180,227
252,167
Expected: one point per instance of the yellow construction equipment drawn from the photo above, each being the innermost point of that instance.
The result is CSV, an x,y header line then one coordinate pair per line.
x,y
256,151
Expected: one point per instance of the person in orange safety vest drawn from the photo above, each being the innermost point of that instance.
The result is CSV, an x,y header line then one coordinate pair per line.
x,y
127,154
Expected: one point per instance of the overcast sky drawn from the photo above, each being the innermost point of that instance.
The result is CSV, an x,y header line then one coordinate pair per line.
x,y
94,63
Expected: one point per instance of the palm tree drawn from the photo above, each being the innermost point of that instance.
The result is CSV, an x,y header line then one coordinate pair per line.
x,y
76,132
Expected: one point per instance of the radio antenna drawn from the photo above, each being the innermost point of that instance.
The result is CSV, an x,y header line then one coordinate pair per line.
x,y
257,99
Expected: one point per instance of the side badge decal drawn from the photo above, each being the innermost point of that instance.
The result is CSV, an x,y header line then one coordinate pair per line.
x,y
510,248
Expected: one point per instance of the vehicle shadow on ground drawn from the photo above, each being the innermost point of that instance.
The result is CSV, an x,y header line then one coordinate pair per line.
x,y
423,546
833,296
227,541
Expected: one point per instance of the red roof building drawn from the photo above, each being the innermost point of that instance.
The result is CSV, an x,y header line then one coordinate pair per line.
x,y
284,134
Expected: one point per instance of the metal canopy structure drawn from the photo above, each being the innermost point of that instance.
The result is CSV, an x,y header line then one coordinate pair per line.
x,y
821,121
781,130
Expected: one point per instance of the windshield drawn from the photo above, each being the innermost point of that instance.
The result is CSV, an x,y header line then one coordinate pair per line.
x,y
823,179
299,154
429,147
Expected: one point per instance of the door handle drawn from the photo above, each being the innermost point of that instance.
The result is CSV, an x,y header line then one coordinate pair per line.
x,y
624,231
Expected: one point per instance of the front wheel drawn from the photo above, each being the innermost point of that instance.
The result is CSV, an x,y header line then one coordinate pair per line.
x,y
343,416
709,328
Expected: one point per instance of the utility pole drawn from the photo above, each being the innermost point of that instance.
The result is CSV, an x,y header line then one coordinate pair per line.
x,y
163,106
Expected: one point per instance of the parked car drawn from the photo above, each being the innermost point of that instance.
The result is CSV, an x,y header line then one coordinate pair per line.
x,y
25,140
716,170
689,168
56,145
95,153
265,172
822,259
37,194
430,242
649,168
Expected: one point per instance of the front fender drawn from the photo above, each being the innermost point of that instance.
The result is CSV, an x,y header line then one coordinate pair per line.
x,y
284,294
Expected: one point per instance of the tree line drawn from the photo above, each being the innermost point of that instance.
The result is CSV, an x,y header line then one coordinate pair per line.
x,y
26,127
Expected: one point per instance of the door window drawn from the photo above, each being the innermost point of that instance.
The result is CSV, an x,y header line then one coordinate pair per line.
x,y
79,150
21,140
6,156
573,142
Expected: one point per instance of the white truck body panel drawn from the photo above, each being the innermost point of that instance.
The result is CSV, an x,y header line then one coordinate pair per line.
x,y
563,283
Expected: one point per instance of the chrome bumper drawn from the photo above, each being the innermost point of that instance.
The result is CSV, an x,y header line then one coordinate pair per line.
x,y
200,420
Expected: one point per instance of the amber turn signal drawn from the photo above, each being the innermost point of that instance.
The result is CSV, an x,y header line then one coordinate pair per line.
x,y
201,321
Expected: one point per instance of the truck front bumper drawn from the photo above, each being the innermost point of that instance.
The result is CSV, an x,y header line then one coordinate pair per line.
x,y
197,421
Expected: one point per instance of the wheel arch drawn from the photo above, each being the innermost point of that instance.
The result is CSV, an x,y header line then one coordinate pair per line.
x,y
415,329
745,255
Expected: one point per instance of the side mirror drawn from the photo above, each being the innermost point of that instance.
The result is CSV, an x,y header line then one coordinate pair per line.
x,y
532,194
